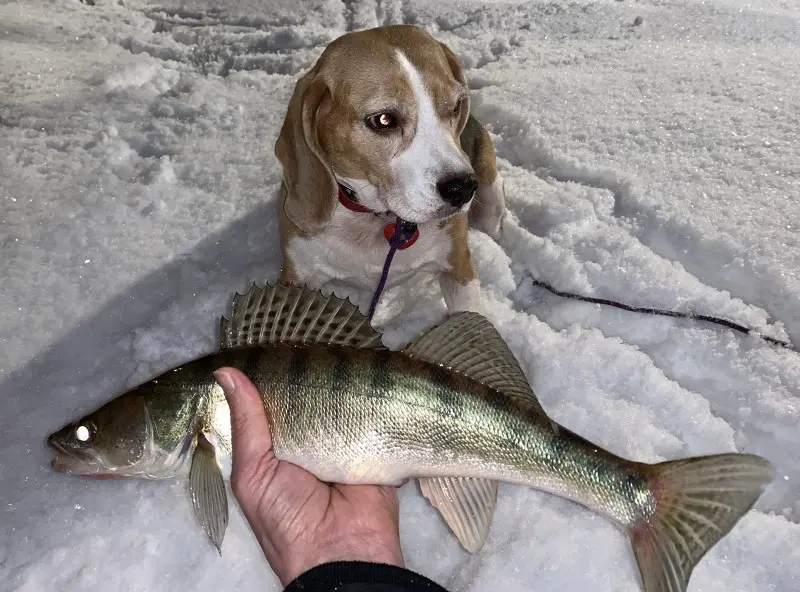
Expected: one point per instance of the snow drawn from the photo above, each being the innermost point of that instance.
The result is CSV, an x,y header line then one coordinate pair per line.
x,y
655,163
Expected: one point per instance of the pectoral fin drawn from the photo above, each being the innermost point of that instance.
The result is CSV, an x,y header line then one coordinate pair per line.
x,y
466,504
209,498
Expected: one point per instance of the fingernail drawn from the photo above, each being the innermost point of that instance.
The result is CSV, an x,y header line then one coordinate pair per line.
x,y
225,380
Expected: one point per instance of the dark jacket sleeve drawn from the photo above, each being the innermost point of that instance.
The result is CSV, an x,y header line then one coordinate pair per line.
x,y
359,576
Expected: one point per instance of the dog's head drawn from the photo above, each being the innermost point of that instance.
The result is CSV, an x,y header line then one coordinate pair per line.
x,y
381,112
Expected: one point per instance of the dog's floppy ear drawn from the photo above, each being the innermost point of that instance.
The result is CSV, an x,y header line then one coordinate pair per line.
x,y
458,72
311,186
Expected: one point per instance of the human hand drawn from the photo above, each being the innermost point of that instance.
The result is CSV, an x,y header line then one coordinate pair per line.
x,y
300,521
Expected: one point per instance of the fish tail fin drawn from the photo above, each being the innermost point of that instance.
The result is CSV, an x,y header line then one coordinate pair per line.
x,y
697,501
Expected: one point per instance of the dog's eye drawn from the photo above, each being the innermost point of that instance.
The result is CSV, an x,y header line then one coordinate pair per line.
x,y
382,121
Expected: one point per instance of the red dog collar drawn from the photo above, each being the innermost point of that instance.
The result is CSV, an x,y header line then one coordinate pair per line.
x,y
388,230
350,203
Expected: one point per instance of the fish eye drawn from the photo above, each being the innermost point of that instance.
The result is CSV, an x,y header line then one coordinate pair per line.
x,y
84,432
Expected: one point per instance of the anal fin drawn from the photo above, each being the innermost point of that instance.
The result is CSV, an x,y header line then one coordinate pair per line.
x,y
207,487
466,504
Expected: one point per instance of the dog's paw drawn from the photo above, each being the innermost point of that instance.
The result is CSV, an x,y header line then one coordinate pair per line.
x,y
462,297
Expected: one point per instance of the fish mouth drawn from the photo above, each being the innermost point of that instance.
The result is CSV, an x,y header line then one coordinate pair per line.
x,y
76,462
69,465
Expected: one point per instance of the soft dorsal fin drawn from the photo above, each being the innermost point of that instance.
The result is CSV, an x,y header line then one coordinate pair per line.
x,y
469,344
466,504
285,313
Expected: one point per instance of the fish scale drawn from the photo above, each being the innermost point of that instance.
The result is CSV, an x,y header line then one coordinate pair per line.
x,y
453,409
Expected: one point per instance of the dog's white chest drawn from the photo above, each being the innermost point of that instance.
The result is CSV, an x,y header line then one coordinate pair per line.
x,y
353,248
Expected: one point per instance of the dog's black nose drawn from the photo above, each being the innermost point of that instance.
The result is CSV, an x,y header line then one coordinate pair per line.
x,y
457,189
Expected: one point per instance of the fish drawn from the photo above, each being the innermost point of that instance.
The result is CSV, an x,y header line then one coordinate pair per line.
x,y
452,409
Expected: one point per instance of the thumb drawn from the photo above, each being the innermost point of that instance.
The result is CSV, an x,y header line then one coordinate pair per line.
x,y
250,436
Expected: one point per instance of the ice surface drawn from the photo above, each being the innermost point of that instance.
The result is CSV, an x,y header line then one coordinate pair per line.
x,y
657,163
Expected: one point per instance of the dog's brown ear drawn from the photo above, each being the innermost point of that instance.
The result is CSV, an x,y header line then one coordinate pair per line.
x,y
311,186
458,72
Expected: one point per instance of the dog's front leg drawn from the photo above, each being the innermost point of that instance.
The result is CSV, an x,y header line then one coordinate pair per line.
x,y
460,285
460,295
488,212
288,274
458,279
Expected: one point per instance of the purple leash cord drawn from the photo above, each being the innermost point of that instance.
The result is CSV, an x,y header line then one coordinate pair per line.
x,y
403,231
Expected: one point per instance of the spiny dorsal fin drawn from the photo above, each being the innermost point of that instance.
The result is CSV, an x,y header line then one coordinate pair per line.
x,y
466,504
469,344
285,313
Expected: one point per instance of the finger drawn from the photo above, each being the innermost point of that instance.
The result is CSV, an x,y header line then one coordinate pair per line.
x,y
250,435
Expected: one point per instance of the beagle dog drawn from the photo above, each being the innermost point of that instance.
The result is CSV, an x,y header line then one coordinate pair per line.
x,y
378,129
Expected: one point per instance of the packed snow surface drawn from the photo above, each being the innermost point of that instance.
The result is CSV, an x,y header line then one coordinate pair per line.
x,y
651,152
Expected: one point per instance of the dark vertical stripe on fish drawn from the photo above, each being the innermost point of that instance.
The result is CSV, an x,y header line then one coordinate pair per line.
x,y
449,403
205,367
380,376
252,363
298,366
340,376
297,380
